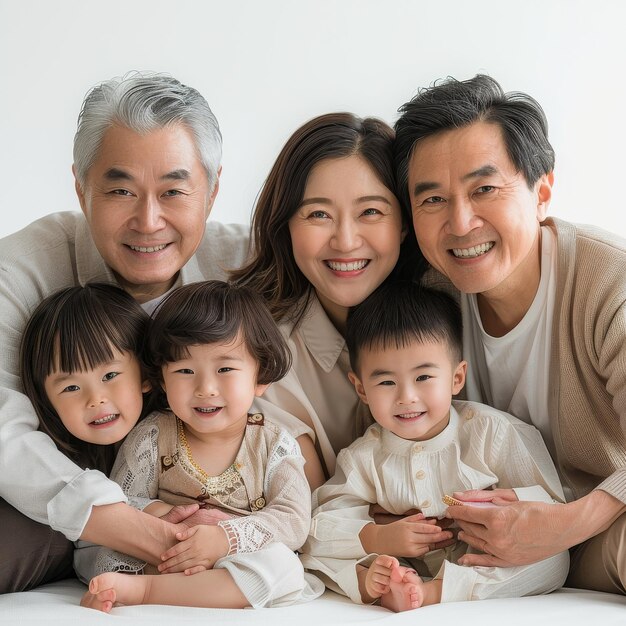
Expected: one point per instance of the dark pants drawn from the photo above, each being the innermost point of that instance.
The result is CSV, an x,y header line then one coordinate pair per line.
x,y
31,554
600,562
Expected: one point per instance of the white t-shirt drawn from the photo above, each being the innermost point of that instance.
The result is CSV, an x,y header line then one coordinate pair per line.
x,y
510,373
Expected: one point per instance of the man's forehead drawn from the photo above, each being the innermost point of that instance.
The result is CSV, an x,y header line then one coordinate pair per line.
x,y
465,153
169,151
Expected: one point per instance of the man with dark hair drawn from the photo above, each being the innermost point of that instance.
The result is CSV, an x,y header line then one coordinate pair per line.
x,y
544,311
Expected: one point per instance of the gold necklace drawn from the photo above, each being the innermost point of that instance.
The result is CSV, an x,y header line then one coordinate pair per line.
x,y
226,482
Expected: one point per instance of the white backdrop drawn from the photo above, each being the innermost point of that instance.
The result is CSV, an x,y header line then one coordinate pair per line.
x,y
266,66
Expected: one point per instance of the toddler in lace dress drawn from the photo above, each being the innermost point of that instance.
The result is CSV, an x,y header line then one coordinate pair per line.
x,y
211,348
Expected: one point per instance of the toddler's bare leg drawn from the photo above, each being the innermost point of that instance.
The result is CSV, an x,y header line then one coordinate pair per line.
x,y
211,589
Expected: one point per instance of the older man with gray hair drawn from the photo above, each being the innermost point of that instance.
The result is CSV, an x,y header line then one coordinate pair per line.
x,y
147,163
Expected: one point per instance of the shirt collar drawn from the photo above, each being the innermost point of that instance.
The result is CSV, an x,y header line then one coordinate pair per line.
x,y
321,338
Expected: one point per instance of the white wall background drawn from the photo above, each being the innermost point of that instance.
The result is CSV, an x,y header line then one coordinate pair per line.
x,y
266,66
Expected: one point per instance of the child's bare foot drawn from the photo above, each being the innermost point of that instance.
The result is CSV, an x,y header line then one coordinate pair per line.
x,y
378,577
111,589
406,590
103,602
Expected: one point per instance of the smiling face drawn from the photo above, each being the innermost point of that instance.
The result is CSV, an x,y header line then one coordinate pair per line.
x,y
475,218
409,389
346,233
101,405
212,389
146,199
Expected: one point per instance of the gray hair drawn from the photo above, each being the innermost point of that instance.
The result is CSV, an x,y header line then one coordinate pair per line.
x,y
142,102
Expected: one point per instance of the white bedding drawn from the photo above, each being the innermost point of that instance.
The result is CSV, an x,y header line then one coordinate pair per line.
x,y
57,604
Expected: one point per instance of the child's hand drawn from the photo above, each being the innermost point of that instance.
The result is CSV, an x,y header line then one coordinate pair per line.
x,y
412,536
495,496
381,515
198,550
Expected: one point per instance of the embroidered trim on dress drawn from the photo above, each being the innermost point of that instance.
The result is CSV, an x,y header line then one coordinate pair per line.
x,y
223,485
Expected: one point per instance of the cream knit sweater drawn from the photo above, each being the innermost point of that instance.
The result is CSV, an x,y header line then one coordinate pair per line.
x,y
588,358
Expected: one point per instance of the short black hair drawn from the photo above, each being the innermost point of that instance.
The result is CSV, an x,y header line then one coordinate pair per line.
x,y
452,104
208,312
397,314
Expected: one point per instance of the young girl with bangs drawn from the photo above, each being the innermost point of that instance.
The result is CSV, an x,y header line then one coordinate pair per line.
x,y
80,368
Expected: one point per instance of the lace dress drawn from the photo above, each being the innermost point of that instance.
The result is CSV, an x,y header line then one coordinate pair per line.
x,y
265,486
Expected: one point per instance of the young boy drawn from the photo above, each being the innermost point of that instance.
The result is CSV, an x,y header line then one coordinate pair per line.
x,y
405,353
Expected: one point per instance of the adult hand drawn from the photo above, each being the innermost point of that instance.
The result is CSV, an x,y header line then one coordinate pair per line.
x,y
411,536
515,533
180,513
198,550
187,516
495,496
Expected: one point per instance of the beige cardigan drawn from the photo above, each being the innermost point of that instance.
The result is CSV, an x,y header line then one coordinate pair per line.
x,y
588,369
588,364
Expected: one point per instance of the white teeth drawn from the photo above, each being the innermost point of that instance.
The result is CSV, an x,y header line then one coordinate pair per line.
x,y
148,248
474,251
208,409
104,420
347,267
406,416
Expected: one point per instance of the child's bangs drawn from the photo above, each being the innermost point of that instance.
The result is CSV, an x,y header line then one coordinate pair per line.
x,y
85,345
